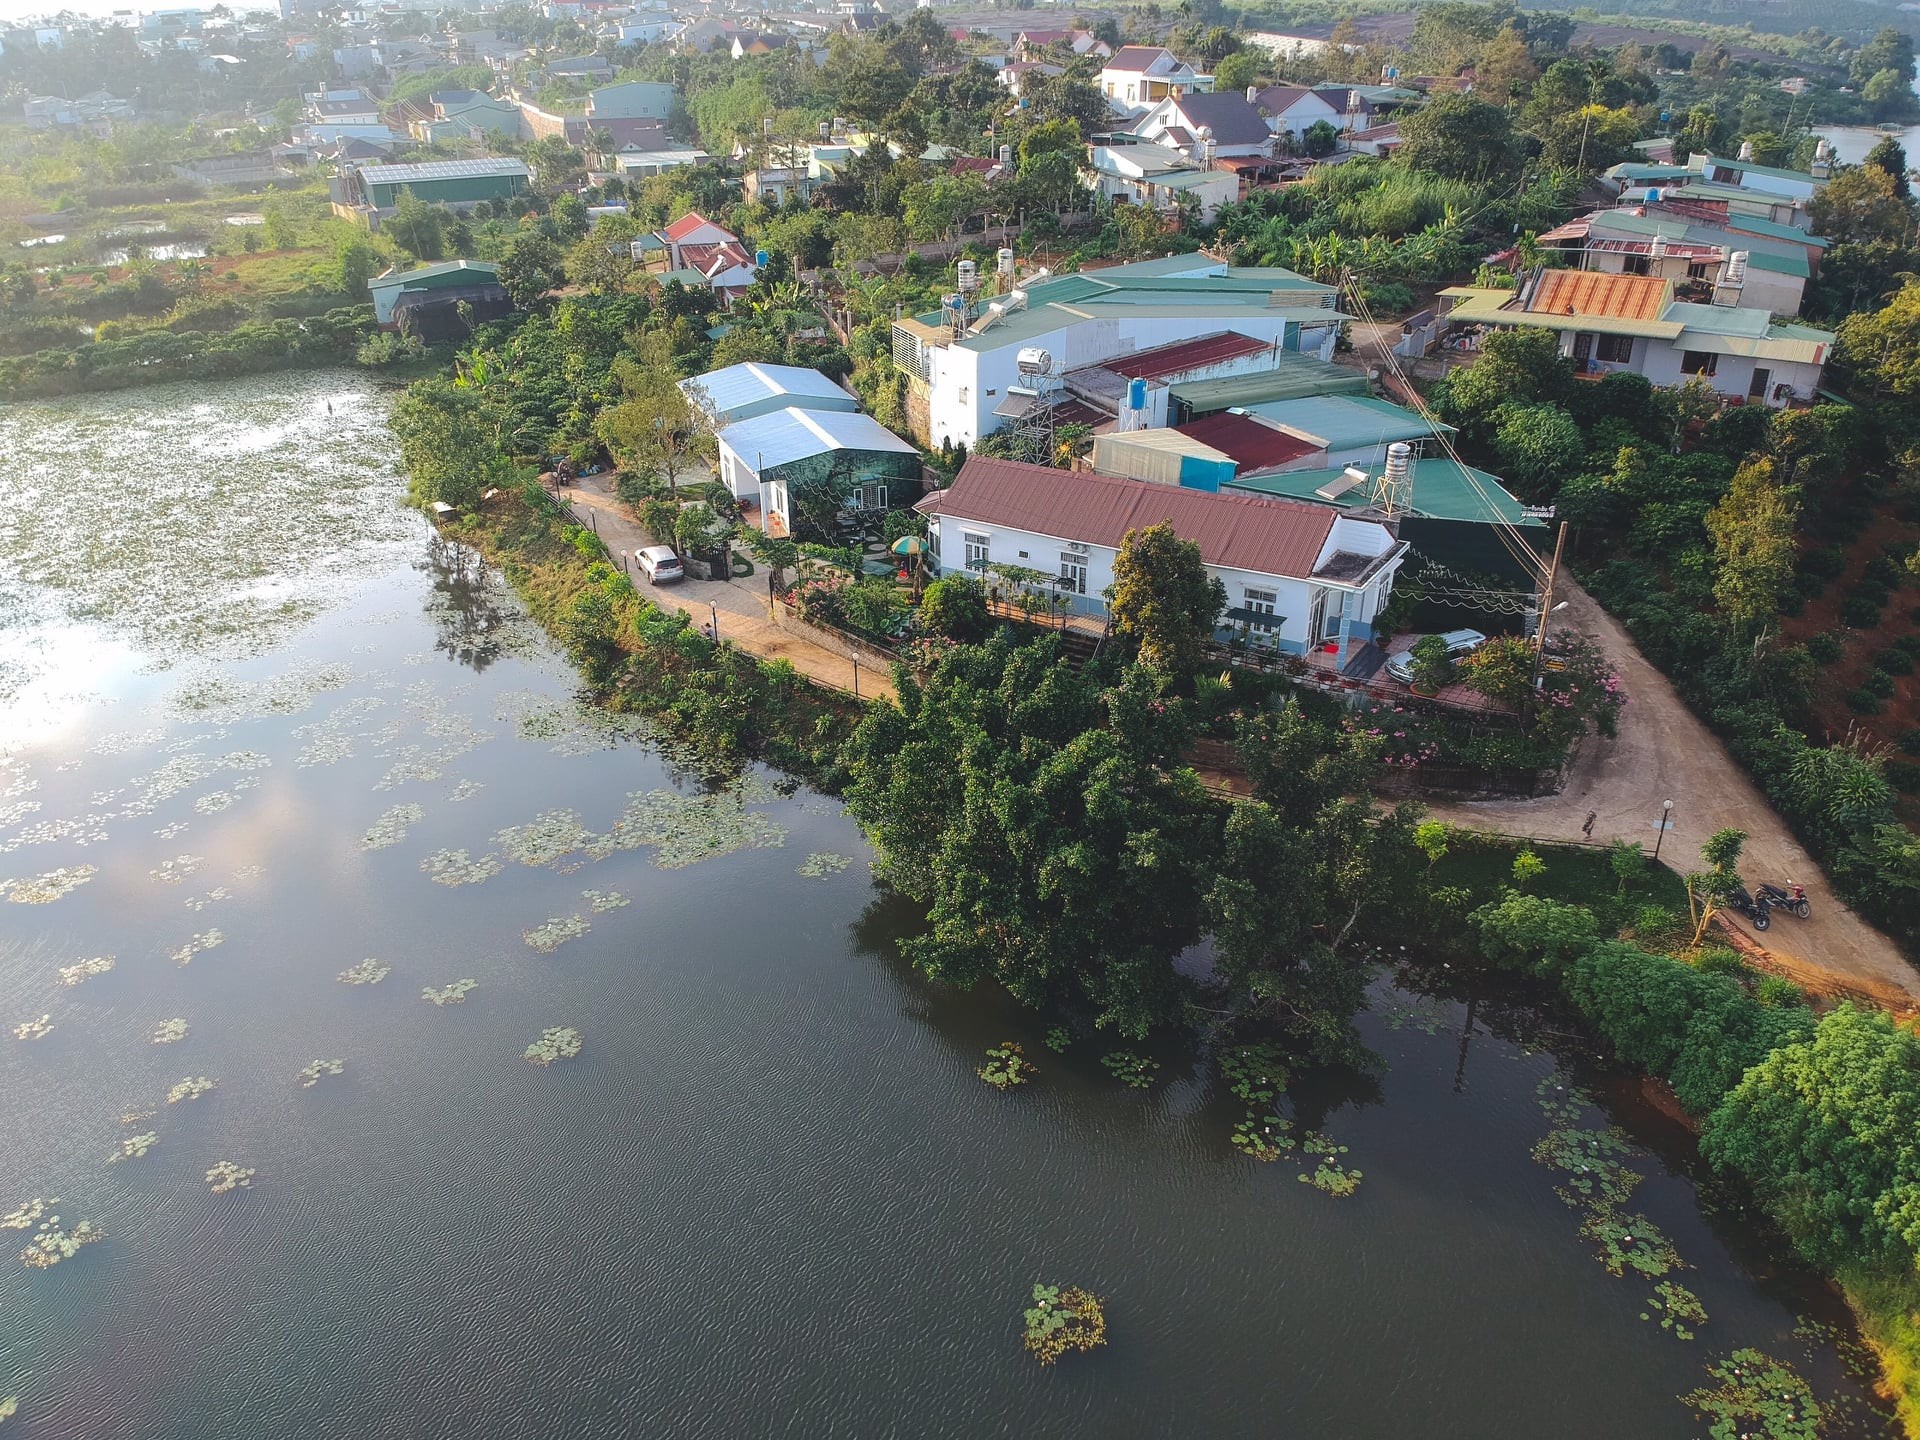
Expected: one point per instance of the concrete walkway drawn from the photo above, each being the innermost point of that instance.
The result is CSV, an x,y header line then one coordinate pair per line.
x,y
1664,753
741,606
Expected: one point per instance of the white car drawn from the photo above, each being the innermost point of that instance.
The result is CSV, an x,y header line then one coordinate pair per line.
x,y
660,564
1459,642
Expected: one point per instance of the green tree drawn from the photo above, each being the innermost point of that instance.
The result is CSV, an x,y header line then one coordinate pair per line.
x,y
417,227
1883,346
1432,664
656,430
1709,889
1538,445
1860,205
1827,1134
355,262
1163,600
1237,71
1752,531
1319,139
1461,137
449,442
1519,364
1044,824
530,268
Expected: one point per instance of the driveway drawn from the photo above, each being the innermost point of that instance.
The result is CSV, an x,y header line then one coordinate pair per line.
x,y
1664,753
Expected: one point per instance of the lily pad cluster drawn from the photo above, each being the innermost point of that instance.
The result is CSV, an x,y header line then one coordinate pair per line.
x,y
85,970
456,867
133,1147
1134,1071
197,903
226,1176
685,829
310,1073
367,972
34,1029
46,888
1757,1398
823,863
454,994
1678,1307
197,944
192,1088
544,840
604,900
550,936
560,1042
51,1243
1059,1038
392,826
172,872
1330,1174
1063,1318
169,1032
1256,1074
1007,1066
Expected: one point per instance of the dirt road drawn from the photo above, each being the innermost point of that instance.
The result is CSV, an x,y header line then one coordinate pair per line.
x,y
741,609
1664,753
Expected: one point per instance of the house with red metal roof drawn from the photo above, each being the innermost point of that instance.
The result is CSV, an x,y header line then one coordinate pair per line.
x,y
1297,576
700,252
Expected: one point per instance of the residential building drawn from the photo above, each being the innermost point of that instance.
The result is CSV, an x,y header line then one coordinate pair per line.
x,y
1292,110
1345,429
1705,261
1634,323
1158,178
632,100
747,391
764,458
772,184
1038,44
1738,186
1135,78
960,361
639,164
466,115
1016,75
701,253
1134,390
1205,128
581,67
425,301
1304,577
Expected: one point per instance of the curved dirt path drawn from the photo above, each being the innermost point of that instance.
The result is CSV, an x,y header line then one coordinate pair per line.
x,y
1663,752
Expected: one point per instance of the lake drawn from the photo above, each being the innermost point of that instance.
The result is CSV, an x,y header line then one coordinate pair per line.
x,y
262,736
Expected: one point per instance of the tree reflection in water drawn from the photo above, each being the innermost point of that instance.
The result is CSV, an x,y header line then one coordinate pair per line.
x,y
464,604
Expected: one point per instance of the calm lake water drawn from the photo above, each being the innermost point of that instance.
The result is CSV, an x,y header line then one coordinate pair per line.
x,y
253,720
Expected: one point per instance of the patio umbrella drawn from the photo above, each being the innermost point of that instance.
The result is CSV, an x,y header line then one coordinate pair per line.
x,y
908,545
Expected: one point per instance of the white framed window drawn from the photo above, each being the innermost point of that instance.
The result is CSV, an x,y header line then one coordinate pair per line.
x,y
1073,570
871,496
1260,602
976,549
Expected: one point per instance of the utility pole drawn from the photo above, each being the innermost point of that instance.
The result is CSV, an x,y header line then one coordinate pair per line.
x,y
1546,603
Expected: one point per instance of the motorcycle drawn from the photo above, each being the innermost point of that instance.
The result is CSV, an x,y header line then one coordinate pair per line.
x,y
1760,911
1790,898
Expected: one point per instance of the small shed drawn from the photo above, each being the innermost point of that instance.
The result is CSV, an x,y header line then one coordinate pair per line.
x,y
1292,376
1165,457
767,456
746,391
427,299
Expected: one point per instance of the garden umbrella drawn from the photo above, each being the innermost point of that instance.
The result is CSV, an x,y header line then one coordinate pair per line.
x,y
908,545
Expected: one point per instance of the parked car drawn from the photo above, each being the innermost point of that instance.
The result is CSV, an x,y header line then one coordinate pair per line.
x,y
660,564
1459,642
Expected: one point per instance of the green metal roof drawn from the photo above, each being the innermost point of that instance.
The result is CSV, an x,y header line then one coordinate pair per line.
x,y
1643,170
1443,489
1343,422
1747,167
1774,230
480,268
1294,377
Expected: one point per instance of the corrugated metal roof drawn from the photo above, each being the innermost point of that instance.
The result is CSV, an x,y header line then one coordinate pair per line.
x,y
784,436
1293,375
1340,422
1251,445
723,392
1183,355
1597,293
483,272
439,170
1443,489
1238,531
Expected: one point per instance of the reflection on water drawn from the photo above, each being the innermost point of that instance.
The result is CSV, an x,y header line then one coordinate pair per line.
x,y
327,801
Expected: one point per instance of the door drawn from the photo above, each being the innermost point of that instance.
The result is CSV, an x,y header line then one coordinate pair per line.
x,y
1758,389
1260,602
1073,572
976,545
1316,617
1582,349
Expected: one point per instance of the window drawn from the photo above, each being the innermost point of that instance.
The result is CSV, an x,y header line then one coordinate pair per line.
x,y
933,541
868,497
1616,349
976,547
1634,265
1073,571
1260,602
1696,271
1698,362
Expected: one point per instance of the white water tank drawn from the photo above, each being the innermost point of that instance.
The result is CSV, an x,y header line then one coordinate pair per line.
x,y
967,275
1003,262
1736,269
1746,149
1253,94
1006,157
1659,247
1033,360
1399,462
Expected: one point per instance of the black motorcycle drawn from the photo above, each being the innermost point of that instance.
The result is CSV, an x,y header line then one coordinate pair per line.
x,y
1760,911
1790,898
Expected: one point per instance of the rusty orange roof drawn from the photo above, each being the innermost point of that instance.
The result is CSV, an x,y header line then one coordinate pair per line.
x,y
1595,292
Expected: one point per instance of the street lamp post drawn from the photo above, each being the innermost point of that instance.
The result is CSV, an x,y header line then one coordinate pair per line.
x,y
713,611
1666,819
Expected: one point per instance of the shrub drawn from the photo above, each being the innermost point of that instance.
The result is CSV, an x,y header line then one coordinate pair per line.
x,y
1862,702
1893,662
1777,992
1826,647
1824,564
955,607
1910,741
1859,613
1432,664
1719,960
1878,682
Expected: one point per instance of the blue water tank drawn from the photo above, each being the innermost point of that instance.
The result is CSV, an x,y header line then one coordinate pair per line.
x,y
1137,394
1653,197
760,259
